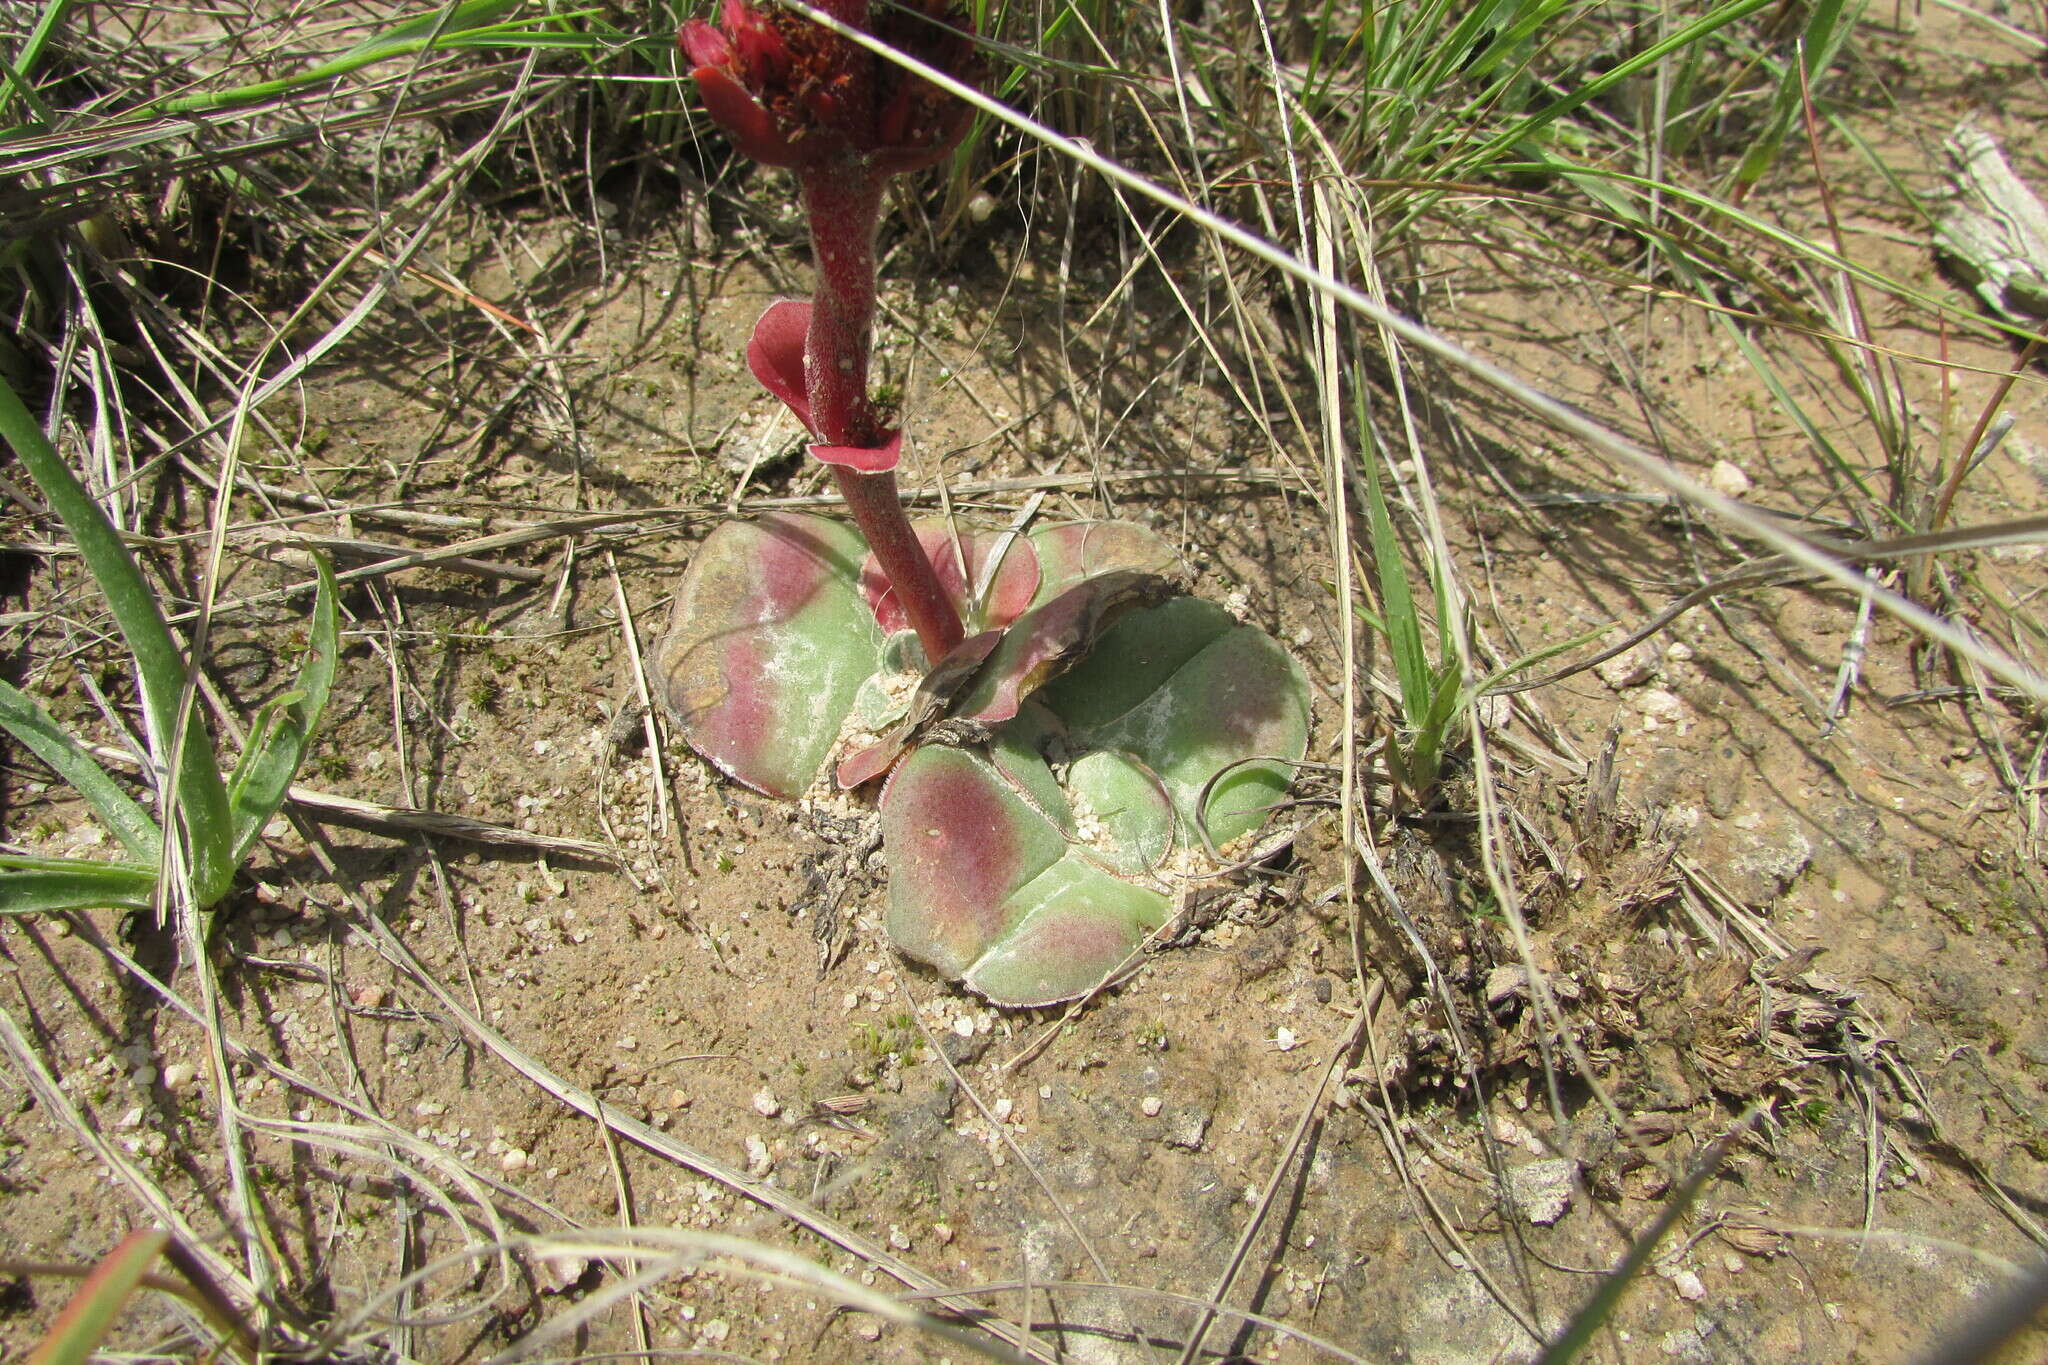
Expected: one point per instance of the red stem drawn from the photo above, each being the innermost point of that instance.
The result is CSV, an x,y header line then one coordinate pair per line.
x,y
872,499
843,200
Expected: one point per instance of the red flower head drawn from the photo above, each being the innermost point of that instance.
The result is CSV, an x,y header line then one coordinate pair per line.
x,y
793,93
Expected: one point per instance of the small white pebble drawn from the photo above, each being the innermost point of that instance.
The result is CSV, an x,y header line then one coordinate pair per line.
x,y
1688,1285
942,1233
1003,1108
1728,479
427,1109
1285,1040
964,1026
765,1103
179,1075
628,1043
1150,1106
514,1160
1660,706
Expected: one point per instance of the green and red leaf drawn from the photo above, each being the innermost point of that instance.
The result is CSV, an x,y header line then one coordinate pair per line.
x,y
985,888
1077,926
1045,641
960,843
768,645
1076,550
963,570
1222,730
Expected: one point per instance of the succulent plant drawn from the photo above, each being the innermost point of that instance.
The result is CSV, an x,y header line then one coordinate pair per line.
x,y
1065,740
1091,748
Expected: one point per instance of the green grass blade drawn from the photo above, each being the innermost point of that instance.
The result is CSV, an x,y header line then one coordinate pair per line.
x,y
85,1321
1790,406
37,886
21,72
468,24
1826,31
12,82
1508,39
1524,129
1708,207
1515,667
277,743
159,667
1370,617
1614,198
1446,699
1397,602
27,721
1919,203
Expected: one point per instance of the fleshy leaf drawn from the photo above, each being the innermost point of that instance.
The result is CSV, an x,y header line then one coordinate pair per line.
x,y
984,887
1081,549
1016,579
775,354
1048,638
1076,924
1018,753
1134,659
1131,819
883,699
867,764
1241,697
767,647
959,843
